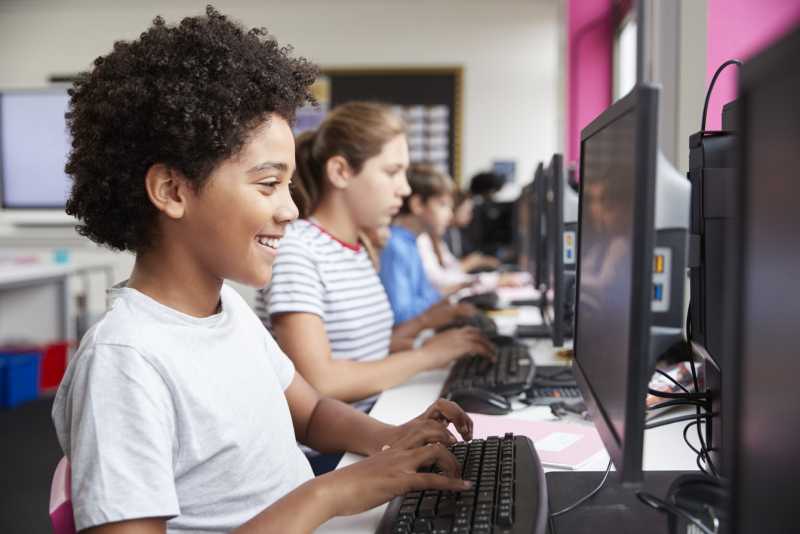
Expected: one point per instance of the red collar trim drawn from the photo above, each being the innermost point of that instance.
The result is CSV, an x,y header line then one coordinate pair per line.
x,y
354,248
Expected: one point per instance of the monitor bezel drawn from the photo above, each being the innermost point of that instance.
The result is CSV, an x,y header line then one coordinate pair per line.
x,y
555,234
761,70
537,248
626,451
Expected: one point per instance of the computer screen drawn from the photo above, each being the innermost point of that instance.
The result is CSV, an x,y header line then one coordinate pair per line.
x,y
765,307
615,259
34,146
522,242
555,245
530,240
538,228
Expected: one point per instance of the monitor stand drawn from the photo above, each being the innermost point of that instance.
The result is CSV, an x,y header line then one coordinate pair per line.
x,y
613,509
533,330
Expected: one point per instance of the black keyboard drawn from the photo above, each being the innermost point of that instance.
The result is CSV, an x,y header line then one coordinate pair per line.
x,y
511,374
484,301
479,321
509,494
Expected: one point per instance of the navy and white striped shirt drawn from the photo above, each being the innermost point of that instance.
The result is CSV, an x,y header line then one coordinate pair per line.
x,y
315,273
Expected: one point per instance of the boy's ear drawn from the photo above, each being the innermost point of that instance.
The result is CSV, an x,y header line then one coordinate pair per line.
x,y
415,204
339,172
167,190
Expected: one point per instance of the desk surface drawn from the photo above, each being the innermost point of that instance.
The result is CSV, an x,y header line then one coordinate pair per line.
x,y
16,273
664,448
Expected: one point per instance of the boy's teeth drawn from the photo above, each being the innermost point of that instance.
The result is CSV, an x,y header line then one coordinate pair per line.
x,y
269,241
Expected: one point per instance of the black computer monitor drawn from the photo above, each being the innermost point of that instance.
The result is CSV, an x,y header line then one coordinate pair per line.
x,y
522,238
762,358
612,361
560,245
538,228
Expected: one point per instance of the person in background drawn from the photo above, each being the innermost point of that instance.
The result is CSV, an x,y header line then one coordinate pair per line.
x,y
178,412
458,240
482,187
407,335
325,304
428,212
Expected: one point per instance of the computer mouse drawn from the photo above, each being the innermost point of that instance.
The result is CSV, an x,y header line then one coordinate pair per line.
x,y
480,401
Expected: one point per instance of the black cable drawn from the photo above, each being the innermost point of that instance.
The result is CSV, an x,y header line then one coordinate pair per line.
x,y
686,438
711,87
569,508
673,380
677,402
667,395
677,420
703,447
666,507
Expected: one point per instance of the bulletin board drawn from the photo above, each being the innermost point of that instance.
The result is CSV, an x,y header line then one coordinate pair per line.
x,y
428,98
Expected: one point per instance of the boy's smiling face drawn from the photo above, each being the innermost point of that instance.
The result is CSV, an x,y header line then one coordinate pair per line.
x,y
234,225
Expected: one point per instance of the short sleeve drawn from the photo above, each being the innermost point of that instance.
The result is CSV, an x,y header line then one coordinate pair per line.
x,y
402,282
116,425
296,284
284,368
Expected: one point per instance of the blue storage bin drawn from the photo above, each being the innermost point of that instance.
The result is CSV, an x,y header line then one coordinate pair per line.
x,y
20,378
2,378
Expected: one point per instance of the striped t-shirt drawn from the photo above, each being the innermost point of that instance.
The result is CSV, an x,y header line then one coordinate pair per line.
x,y
315,273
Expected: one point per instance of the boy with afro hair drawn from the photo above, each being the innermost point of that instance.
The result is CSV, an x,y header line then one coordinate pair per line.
x,y
179,413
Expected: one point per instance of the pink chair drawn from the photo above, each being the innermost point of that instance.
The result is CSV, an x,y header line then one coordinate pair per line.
x,y
61,499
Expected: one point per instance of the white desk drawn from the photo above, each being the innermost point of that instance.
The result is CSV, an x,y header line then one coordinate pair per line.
x,y
664,448
34,301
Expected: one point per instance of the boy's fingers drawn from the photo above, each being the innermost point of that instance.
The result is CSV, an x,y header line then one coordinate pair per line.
x,y
423,481
446,412
430,432
437,453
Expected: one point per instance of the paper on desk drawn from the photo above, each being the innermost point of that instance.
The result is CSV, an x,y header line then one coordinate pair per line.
x,y
558,445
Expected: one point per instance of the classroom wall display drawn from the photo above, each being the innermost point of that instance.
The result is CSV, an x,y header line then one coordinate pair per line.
x,y
429,99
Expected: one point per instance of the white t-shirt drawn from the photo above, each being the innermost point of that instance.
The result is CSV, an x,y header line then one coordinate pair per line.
x,y
317,274
163,414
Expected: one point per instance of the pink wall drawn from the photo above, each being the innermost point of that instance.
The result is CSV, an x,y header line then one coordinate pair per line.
x,y
590,68
739,29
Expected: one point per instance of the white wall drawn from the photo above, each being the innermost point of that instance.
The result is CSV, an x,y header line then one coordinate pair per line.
x,y
508,48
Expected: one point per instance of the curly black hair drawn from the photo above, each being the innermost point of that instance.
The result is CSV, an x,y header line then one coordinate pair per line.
x,y
186,95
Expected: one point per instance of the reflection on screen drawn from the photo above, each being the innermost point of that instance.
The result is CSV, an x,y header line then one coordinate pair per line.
x,y
605,264
35,146
523,230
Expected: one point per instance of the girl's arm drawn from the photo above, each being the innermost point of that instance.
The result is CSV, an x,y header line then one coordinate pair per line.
x,y
443,313
302,337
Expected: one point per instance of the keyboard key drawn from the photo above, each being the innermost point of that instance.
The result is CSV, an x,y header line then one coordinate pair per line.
x,y
422,525
485,496
505,517
411,509
466,496
446,508
427,507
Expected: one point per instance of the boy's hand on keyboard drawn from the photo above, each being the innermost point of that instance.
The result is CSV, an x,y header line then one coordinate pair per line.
x,y
393,472
455,343
430,425
445,413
